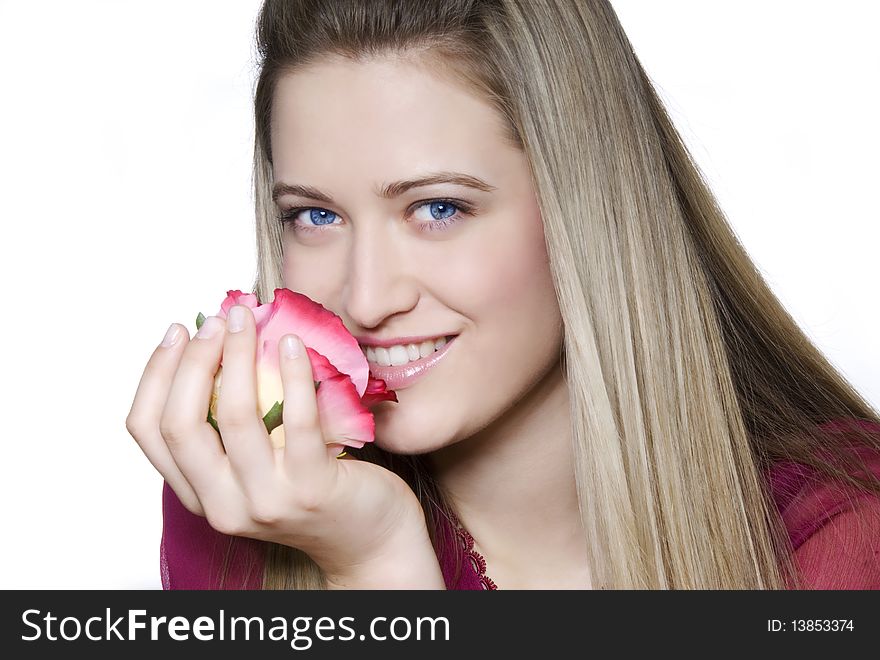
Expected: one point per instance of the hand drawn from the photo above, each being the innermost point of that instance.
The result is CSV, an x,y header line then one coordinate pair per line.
x,y
349,516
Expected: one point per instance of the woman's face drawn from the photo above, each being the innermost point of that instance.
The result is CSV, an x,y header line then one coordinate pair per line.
x,y
422,260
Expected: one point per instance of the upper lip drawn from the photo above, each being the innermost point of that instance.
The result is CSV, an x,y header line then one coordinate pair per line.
x,y
399,341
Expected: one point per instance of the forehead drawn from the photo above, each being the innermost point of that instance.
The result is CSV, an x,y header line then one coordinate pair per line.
x,y
379,115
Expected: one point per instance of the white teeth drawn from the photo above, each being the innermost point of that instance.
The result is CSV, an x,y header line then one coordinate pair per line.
x,y
382,356
398,356
402,354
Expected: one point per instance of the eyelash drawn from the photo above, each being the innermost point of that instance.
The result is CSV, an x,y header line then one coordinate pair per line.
x,y
289,216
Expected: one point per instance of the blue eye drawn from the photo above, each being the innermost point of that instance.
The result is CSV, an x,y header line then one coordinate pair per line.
x,y
442,210
322,216
442,213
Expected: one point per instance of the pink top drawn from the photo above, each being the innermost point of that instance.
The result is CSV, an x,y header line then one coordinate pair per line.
x,y
836,541
834,530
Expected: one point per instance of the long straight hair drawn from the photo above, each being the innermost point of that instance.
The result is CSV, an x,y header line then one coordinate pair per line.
x,y
687,377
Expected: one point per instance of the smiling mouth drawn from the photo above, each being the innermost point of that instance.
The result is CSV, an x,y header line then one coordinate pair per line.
x,y
404,354
401,376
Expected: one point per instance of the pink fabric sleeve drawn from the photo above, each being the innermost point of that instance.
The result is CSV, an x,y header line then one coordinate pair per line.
x,y
845,552
192,553
834,529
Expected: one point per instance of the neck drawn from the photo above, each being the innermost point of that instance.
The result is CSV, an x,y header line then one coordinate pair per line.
x,y
513,487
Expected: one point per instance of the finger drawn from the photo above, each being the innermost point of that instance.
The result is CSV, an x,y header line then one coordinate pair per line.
x,y
193,443
304,446
142,422
238,412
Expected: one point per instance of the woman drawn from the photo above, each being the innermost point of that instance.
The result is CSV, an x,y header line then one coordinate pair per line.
x,y
623,404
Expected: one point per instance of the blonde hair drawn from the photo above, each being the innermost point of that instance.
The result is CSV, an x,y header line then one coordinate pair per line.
x,y
687,377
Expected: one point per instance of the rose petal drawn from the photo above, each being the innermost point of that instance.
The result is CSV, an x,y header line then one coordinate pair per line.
x,y
319,329
269,391
377,391
236,297
348,421
322,369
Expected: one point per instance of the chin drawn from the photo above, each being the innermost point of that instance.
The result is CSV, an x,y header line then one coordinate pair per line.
x,y
398,448
404,443
398,435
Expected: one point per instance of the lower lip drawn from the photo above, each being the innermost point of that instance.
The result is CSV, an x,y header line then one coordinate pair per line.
x,y
404,375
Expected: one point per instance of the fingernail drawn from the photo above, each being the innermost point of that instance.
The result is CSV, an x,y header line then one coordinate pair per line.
x,y
291,347
171,336
235,321
209,328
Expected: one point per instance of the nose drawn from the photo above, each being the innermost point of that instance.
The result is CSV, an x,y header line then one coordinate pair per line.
x,y
380,282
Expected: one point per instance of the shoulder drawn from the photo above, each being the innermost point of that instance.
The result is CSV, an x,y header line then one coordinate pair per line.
x,y
834,528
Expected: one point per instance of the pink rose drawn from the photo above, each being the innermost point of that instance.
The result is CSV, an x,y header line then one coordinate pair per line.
x,y
343,385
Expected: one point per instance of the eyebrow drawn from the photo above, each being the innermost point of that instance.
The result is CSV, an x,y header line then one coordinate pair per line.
x,y
389,190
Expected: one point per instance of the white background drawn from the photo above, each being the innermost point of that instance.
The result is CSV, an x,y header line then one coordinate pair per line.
x,y
125,204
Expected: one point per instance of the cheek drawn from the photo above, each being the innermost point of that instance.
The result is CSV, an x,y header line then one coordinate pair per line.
x,y
505,275
505,287
307,272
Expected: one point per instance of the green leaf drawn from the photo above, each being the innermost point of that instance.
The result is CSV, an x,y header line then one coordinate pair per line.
x,y
273,418
212,421
199,320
